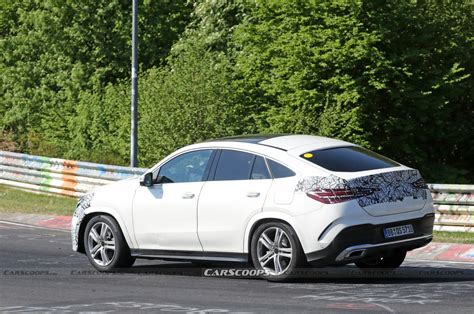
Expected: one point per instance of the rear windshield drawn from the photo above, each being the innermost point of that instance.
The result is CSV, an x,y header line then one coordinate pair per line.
x,y
348,159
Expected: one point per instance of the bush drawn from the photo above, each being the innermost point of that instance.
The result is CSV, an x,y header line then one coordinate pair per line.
x,y
392,76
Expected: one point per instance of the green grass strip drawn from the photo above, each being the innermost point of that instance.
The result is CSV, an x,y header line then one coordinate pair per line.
x,y
18,201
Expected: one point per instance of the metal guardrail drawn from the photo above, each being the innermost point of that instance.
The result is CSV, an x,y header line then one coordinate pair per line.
x,y
58,176
454,203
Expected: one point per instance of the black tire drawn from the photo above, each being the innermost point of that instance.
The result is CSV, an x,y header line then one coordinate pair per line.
x,y
120,257
298,258
390,260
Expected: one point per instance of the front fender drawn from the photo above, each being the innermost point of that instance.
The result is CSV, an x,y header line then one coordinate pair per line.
x,y
78,220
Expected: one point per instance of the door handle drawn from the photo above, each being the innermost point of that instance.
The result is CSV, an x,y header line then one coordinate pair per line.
x,y
253,194
188,195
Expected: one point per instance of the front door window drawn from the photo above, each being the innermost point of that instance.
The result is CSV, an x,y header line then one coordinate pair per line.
x,y
188,167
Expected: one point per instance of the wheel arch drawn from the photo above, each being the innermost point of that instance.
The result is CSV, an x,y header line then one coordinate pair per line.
x,y
265,217
92,212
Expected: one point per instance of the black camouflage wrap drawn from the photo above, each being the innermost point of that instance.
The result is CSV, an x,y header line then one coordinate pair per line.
x,y
82,205
372,189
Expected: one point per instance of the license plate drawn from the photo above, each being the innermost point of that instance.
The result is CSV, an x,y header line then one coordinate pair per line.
x,y
398,231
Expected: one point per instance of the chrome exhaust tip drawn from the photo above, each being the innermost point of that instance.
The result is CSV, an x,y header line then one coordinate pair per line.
x,y
355,254
351,254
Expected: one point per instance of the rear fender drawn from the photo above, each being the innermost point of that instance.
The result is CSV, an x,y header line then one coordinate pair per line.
x,y
269,215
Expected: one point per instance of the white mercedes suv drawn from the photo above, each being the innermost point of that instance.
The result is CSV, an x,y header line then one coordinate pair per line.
x,y
277,201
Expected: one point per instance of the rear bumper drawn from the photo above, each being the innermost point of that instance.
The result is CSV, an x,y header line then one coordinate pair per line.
x,y
362,241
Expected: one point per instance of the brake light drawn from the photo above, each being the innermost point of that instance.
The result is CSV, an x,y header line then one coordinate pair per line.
x,y
333,196
420,184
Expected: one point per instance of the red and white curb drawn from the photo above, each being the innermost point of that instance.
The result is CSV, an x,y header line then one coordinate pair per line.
x,y
40,221
57,222
444,252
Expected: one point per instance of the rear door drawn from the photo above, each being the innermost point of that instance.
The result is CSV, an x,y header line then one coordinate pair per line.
x,y
237,191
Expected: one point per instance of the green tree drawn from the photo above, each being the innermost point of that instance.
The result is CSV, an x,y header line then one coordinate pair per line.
x,y
191,98
394,76
189,101
52,50
389,75
418,105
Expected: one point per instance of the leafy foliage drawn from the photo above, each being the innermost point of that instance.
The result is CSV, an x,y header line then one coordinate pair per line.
x,y
188,102
389,75
52,50
394,76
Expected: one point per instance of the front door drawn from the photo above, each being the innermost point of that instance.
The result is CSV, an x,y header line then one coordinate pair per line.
x,y
164,215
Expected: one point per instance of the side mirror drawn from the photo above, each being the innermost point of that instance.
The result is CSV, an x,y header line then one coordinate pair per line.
x,y
163,179
147,179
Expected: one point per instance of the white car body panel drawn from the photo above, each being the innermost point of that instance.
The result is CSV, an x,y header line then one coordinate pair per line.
x,y
224,210
115,200
124,225
268,215
164,216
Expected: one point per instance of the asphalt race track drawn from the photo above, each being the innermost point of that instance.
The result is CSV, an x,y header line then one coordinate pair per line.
x,y
40,273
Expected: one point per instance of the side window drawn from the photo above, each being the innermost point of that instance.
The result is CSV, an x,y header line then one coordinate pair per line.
x,y
260,170
234,165
188,167
278,170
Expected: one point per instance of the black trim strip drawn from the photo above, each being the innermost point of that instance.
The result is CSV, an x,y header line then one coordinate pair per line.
x,y
324,231
248,138
215,162
260,143
210,162
190,255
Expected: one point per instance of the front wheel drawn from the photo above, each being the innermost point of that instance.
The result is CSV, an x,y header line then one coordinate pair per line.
x,y
276,250
105,245
390,260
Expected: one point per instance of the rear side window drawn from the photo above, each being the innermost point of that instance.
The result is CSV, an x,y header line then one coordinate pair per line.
x,y
234,165
278,170
260,170
348,159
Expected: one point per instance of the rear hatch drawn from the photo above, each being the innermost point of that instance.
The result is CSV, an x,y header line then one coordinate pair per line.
x,y
380,185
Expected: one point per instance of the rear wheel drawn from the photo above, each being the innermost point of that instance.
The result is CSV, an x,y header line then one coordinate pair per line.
x,y
105,245
276,250
390,260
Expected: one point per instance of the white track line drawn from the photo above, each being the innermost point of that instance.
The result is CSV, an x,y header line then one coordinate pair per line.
x,y
435,261
384,307
30,226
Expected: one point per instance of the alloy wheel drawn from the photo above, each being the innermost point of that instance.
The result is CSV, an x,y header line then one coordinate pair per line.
x,y
101,243
274,251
